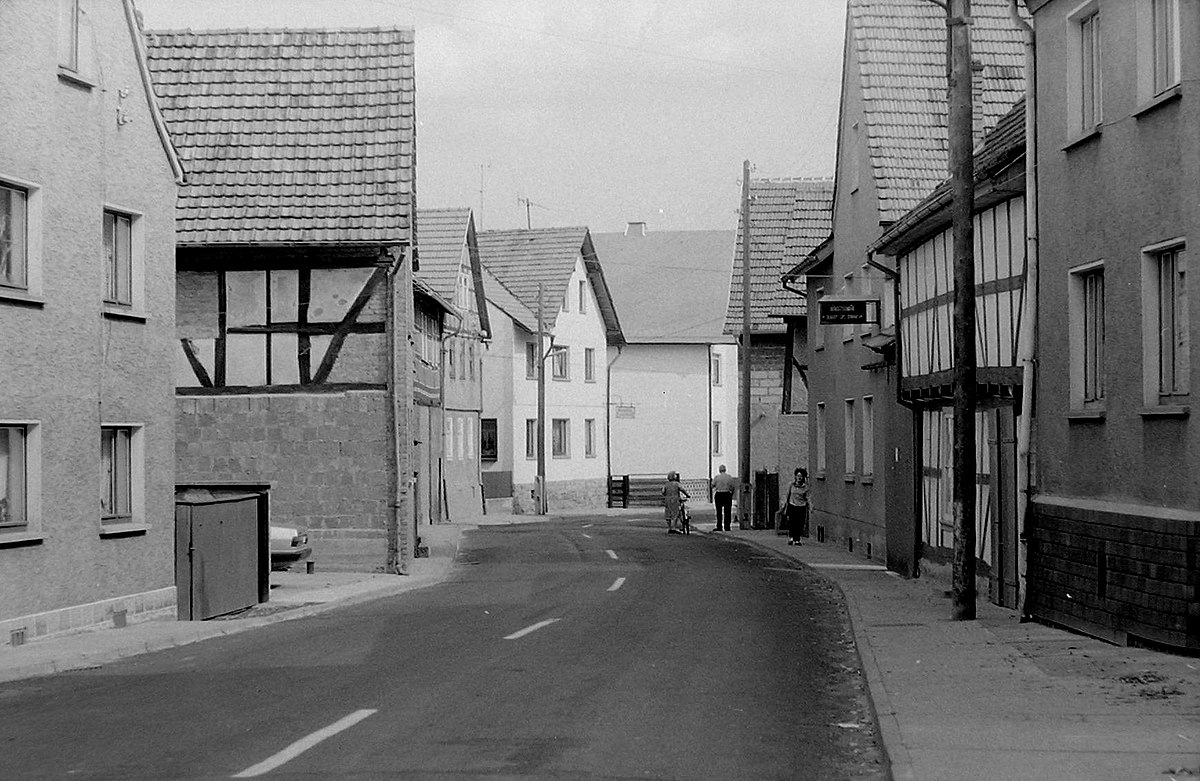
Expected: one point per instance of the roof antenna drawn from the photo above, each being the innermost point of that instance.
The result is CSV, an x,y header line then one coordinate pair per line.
x,y
528,203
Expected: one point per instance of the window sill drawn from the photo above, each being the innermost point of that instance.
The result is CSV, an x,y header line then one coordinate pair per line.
x,y
820,475
21,298
73,78
590,455
1169,95
1082,138
591,381
561,458
117,530
1086,415
113,313
849,477
561,379
21,539
868,480
1166,411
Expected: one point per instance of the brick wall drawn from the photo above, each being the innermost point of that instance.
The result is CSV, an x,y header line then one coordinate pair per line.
x,y
325,456
1111,571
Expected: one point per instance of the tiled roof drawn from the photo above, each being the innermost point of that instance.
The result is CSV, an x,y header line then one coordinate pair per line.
x,y
900,46
670,287
441,238
290,136
1001,146
788,219
506,302
522,259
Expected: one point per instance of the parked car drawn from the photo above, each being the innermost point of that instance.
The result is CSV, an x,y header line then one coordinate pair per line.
x,y
288,546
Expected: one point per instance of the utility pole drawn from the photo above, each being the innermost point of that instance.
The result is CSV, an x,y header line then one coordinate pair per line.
x,y
962,186
528,218
539,483
744,497
479,222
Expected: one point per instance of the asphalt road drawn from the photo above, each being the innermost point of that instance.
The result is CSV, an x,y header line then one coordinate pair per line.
x,y
581,649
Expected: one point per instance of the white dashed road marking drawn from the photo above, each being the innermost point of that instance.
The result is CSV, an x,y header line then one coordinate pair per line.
x,y
533,628
612,554
304,744
617,584
586,535
587,526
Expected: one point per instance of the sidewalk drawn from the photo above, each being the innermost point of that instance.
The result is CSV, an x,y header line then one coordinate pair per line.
x,y
995,698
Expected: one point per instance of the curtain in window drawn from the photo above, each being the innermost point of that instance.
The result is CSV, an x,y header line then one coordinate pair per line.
x,y
12,237
12,475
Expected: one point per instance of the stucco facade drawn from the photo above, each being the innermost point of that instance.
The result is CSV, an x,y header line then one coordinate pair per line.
x,y
80,139
1116,504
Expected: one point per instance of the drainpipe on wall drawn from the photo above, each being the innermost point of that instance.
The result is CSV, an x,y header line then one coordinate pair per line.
x,y
1029,331
608,424
397,561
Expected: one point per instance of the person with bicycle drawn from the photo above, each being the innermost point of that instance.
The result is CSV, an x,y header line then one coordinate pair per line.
x,y
673,495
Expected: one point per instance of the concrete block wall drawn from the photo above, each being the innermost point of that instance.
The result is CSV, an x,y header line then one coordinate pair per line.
x,y
325,456
589,494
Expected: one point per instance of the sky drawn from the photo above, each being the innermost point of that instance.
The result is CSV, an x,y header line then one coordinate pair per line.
x,y
595,113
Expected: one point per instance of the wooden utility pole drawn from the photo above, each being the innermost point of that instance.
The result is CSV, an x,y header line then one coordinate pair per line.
x,y
962,185
539,483
744,498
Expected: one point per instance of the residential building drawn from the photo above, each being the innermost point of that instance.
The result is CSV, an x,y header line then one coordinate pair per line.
x,y
88,181
1115,508
294,294
555,274
788,219
919,247
449,380
891,153
673,386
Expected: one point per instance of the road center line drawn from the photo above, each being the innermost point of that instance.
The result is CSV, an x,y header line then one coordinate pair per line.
x,y
612,554
617,584
304,744
532,628
585,534
587,526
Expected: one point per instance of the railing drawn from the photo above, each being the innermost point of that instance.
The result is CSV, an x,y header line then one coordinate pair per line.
x,y
646,490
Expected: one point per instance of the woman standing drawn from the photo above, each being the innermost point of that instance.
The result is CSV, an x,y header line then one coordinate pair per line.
x,y
797,507
672,507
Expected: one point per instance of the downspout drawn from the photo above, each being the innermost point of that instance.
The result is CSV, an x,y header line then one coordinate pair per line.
x,y
1027,342
608,425
444,509
709,458
396,563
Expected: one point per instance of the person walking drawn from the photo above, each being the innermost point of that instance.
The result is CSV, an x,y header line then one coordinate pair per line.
x,y
724,485
672,506
796,505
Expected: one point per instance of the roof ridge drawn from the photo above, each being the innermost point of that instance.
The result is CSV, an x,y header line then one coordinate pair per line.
x,y
277,30
787,179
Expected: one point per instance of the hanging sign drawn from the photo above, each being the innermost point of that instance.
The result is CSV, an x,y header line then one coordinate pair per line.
x,y
848,311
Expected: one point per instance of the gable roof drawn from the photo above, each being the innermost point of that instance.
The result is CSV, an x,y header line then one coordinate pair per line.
x,y
442,235
290,136
900,46
672,286
523,259
134,22
788,219
504,300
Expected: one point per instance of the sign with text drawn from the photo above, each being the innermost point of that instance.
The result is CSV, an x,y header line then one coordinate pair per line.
x,y
848,311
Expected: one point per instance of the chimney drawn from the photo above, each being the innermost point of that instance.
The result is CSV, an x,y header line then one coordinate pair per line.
x,y
635,229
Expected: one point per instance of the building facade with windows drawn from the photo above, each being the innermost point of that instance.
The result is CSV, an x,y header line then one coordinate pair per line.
x,y
555,271
892,142
1115,507
451,327
294,286
88,182
673,387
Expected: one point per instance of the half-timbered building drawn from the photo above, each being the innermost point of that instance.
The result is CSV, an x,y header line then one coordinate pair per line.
x,y
294,286
556,275
918,246
88,180
891,153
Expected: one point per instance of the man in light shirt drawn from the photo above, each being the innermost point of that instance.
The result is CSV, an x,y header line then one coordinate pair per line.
x,y
724,484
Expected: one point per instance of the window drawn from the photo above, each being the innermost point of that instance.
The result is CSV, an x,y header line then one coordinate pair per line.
x,y
716,438
848,438
118,258
820,438
459,437
1086,109
428,338
582,297
452,359
818,336
566,303
560,363
1086,310
469,439
715,370
1165,325
868,436
589,437
68,34
531,437
589,364
14,232
14,480
118,468
1166,44
560,438
471,360
531,360
489,439
448,437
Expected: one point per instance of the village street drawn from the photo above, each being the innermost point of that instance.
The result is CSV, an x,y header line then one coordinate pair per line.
x,y
578,648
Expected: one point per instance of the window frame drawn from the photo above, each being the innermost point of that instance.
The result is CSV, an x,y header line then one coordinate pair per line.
x,y
1165,69
821,440
68,31
714,363
531,360
818,335
583,297
134,514
589,364
715,434
560,363
589,437
531,439
114,305
563,426
867,471
849,440
1162,390
118,258
489,439
30,292
11,225
1085,291
1085,71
